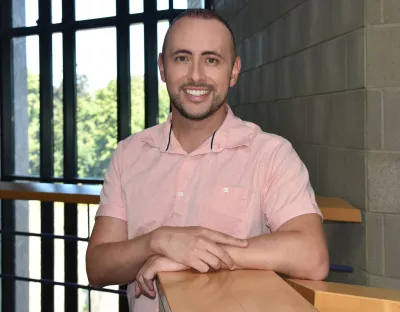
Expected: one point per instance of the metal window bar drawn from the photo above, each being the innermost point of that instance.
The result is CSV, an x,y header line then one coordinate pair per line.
x,y
7,158
46,153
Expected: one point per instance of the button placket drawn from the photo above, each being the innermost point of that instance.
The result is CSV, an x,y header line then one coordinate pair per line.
x,y
182,181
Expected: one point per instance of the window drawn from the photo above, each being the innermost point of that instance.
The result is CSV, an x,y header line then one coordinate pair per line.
x,y
75,78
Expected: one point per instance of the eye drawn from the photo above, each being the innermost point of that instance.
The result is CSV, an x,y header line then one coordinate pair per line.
x,y
181,58
212,61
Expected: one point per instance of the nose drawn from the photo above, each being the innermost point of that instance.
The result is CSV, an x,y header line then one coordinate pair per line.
x,y
196,71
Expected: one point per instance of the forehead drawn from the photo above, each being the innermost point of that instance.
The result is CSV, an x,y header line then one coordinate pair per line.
x,y
197,35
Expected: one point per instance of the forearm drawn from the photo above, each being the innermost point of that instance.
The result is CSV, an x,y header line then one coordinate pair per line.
x,y
117,263
290,253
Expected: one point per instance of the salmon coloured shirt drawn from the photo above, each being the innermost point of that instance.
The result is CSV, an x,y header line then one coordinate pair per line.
x,y
241,181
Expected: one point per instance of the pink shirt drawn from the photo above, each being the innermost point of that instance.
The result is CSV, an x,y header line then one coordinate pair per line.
x,y
241,181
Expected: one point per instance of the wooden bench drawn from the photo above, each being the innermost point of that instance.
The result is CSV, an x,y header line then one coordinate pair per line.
x,y
256,291
333,209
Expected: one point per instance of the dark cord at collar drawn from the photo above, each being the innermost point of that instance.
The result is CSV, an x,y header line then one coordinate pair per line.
x,y
212,139
169,137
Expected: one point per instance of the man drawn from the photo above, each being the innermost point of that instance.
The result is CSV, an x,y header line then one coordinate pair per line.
x,y
205,190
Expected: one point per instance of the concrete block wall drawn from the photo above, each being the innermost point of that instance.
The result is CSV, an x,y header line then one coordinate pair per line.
x,y
323,74
383,145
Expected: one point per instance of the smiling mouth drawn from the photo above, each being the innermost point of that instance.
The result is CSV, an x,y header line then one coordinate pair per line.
x,y
197,92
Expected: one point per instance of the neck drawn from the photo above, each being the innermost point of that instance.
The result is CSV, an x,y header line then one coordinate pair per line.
x,y
192,134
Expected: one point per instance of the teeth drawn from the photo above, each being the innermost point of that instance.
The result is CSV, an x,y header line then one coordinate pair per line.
x,y
196,92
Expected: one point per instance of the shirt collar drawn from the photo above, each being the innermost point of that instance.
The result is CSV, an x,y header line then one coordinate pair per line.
x,y
233,133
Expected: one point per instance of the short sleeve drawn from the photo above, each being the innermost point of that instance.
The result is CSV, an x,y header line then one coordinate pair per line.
x,y
111,202
288,192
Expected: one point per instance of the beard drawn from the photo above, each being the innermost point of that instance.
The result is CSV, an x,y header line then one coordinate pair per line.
x,y
217,102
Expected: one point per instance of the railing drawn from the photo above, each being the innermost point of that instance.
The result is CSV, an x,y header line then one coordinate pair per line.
x,y
333,209
254,291
45,291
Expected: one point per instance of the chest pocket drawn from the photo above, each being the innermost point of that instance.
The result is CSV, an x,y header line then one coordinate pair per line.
x,y
224,208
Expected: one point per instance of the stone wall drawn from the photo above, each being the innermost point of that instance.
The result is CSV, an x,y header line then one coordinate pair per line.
x,y
318,74
383,144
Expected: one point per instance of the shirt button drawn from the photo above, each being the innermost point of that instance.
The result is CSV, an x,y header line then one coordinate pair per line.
x,y
180,194
226,190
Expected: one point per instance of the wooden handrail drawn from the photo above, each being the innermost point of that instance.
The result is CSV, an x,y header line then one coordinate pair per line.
x,y
333,209
257,290
223,291
51,192
329,296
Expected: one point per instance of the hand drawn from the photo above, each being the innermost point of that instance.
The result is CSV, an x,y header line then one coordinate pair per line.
x,y
146,275
196,247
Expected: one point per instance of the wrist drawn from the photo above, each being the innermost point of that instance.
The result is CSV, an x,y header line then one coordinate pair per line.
x,y
154,241
234,253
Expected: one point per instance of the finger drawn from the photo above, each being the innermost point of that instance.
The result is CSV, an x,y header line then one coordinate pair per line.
x,y
138,292
150,285
140,280
221,254
222,238
210,259
144,287
200,266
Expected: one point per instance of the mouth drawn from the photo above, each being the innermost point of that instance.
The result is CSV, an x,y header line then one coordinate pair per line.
x,y
197,92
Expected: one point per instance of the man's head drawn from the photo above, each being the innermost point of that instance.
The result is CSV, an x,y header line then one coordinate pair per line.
x,y
199,63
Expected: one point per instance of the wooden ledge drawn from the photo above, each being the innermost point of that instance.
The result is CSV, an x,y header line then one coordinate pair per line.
x,y
51,192
233,291
328,296
336,209
333,209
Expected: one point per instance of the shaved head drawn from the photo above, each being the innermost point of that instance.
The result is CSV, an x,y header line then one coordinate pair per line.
x,y
205,15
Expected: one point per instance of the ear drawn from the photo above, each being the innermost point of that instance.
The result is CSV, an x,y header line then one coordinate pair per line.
x,y
235,71
161,66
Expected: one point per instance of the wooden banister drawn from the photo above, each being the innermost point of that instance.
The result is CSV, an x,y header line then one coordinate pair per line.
x,y
333,209
51,192
328,296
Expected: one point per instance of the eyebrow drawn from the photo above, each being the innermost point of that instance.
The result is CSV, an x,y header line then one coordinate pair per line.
x,y
183,51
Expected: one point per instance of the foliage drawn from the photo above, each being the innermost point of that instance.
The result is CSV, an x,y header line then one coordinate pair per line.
x,y
96,123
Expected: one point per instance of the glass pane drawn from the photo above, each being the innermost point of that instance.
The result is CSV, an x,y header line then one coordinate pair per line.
x,y
59,275
56,11
83,295
28,253
28,296
137,77
89,9
162,5
25,13
104,301
58,115
135,6
97,100
27,264
163,97
26,105
59,299
188,4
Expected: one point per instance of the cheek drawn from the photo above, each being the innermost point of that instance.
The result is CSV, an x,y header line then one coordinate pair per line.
x,y
175,78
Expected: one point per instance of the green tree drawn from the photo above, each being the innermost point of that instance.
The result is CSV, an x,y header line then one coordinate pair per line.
x,y
34,124
96,123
